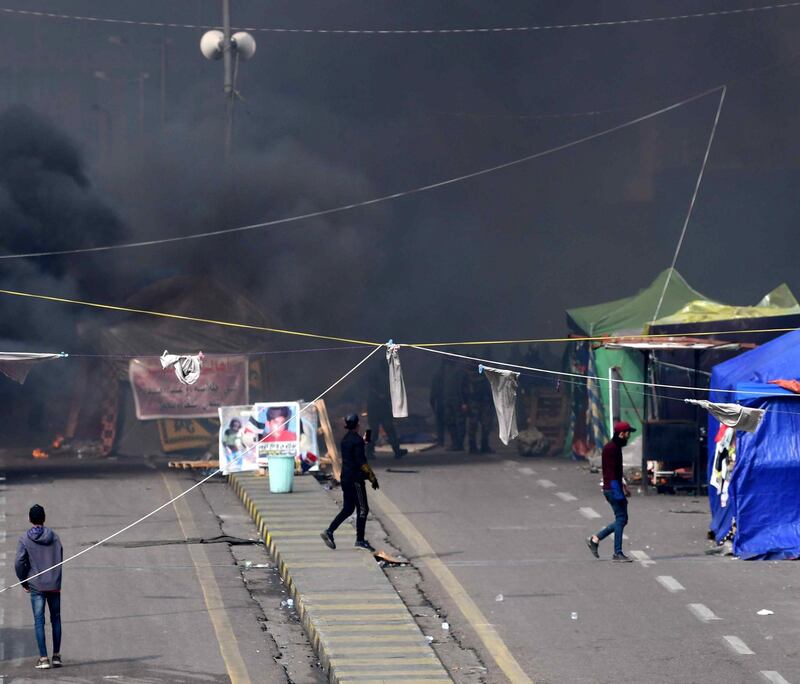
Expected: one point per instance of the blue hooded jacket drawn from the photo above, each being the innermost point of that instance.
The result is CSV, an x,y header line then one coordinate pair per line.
x,y
38,550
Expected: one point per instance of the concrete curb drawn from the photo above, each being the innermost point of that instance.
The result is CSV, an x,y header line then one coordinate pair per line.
x,y
359,627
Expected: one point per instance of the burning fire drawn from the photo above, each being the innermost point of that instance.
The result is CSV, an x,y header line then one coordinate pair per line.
x,y
58,441
39,453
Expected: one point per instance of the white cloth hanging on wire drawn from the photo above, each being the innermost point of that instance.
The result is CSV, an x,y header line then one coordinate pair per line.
x,y
397,386
187,368
504,394
17,365
736,416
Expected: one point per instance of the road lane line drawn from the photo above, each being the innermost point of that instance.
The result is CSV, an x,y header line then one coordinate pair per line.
x,y
589,513
527,471
545,483
228,647
738,646
773,677
643,558
702,612
566,496
670,583
427,556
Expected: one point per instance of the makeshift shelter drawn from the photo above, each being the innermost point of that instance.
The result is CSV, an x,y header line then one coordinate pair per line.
x,y
762,511
627,316
103,406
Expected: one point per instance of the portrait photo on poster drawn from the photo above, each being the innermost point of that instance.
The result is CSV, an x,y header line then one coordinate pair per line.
x,y
280,429
238,436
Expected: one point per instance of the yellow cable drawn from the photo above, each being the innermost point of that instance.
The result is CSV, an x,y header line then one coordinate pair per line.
x,y
194,319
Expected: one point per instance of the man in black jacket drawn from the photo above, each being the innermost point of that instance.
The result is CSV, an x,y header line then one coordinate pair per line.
x,y
355,472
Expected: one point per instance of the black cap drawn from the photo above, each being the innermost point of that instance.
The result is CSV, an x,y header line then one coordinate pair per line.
x,y
36,515
351,421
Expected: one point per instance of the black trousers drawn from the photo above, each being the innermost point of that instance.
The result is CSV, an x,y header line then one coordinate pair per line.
x,y
355,497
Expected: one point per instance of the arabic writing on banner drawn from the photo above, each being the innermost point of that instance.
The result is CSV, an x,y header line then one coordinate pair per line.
x,y
158,393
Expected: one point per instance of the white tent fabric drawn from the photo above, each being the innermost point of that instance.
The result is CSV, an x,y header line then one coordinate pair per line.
x,y
17,365
504,394
733,415
397,386
187,368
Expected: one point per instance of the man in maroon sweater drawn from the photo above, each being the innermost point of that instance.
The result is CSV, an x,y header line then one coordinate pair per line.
x,y
616,492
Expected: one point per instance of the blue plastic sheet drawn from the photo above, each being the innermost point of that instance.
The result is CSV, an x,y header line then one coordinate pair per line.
x,y
764,491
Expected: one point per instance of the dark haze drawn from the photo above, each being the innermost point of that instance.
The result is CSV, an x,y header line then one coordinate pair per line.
x,y
329,120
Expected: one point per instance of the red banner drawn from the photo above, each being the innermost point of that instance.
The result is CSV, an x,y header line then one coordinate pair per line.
x,y
159,394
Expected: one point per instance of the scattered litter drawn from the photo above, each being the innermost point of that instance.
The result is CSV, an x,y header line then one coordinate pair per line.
x,y
290,603
498,598
573,615
261,565
246,564
385,559
429,639
445,626
765,611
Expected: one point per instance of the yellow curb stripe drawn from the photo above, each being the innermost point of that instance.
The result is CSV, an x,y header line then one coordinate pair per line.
x,y
399,628
346,663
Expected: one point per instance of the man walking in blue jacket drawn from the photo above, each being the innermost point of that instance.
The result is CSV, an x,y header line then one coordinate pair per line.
x,y
37,552
616,492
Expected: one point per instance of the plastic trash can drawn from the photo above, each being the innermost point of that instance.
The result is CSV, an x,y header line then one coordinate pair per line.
x,y
281,474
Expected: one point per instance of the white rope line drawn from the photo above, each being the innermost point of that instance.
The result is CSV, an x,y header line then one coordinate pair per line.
x,y
595,377
412,32
691,204
182,494
376,200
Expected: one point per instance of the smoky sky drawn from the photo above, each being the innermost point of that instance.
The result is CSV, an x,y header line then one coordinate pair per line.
x,y
329,120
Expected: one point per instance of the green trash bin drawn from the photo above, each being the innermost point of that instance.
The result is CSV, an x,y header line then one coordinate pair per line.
x,y
281,473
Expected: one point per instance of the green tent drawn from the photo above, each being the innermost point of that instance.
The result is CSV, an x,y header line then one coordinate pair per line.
x,y
627,316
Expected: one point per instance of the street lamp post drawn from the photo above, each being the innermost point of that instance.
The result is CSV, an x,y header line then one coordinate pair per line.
x,y
239,46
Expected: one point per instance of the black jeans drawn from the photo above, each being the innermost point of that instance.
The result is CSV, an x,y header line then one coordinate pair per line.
x,y
355,497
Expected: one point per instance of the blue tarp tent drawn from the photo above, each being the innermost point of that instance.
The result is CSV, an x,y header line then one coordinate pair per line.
x,y
764,490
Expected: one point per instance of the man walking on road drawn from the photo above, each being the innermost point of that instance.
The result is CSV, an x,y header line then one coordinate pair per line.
x,y
616,492
355,472
37,551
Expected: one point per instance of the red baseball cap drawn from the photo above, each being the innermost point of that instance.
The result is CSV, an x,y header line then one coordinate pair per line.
x,y
623,426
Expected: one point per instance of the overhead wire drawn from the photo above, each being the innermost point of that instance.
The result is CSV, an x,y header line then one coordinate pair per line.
x,y
691,204
413,31
376,200
190,489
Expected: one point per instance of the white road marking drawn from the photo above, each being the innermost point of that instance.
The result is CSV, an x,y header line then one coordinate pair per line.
x,y
590,513
643,558
2,618
670,583
702,612
2,536
508,462
738,646
566,496
546,483
527,471
2,500
773,677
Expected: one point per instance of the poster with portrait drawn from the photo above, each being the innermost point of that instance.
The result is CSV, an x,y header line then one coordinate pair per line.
x,y
280,429
238,450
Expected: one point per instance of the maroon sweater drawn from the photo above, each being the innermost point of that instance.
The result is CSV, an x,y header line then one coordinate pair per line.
x,y
612,464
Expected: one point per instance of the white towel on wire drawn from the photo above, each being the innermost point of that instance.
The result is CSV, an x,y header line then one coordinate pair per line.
x,y
397,386
504,394
736,416
187,368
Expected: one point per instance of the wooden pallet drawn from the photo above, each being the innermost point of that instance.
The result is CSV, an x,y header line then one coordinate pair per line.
x,y
189,465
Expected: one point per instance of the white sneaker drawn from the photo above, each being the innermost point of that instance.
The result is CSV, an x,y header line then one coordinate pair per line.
x,y
43,664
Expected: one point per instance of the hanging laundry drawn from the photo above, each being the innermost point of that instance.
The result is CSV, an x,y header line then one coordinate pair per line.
x,y
733,415
504,394
397,386
17,365
187,368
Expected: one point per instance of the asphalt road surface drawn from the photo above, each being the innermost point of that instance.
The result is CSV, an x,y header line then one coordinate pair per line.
x,y
131,614
515,527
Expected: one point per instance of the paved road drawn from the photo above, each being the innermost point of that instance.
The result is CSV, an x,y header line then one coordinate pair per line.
x,y
516,527
130,614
